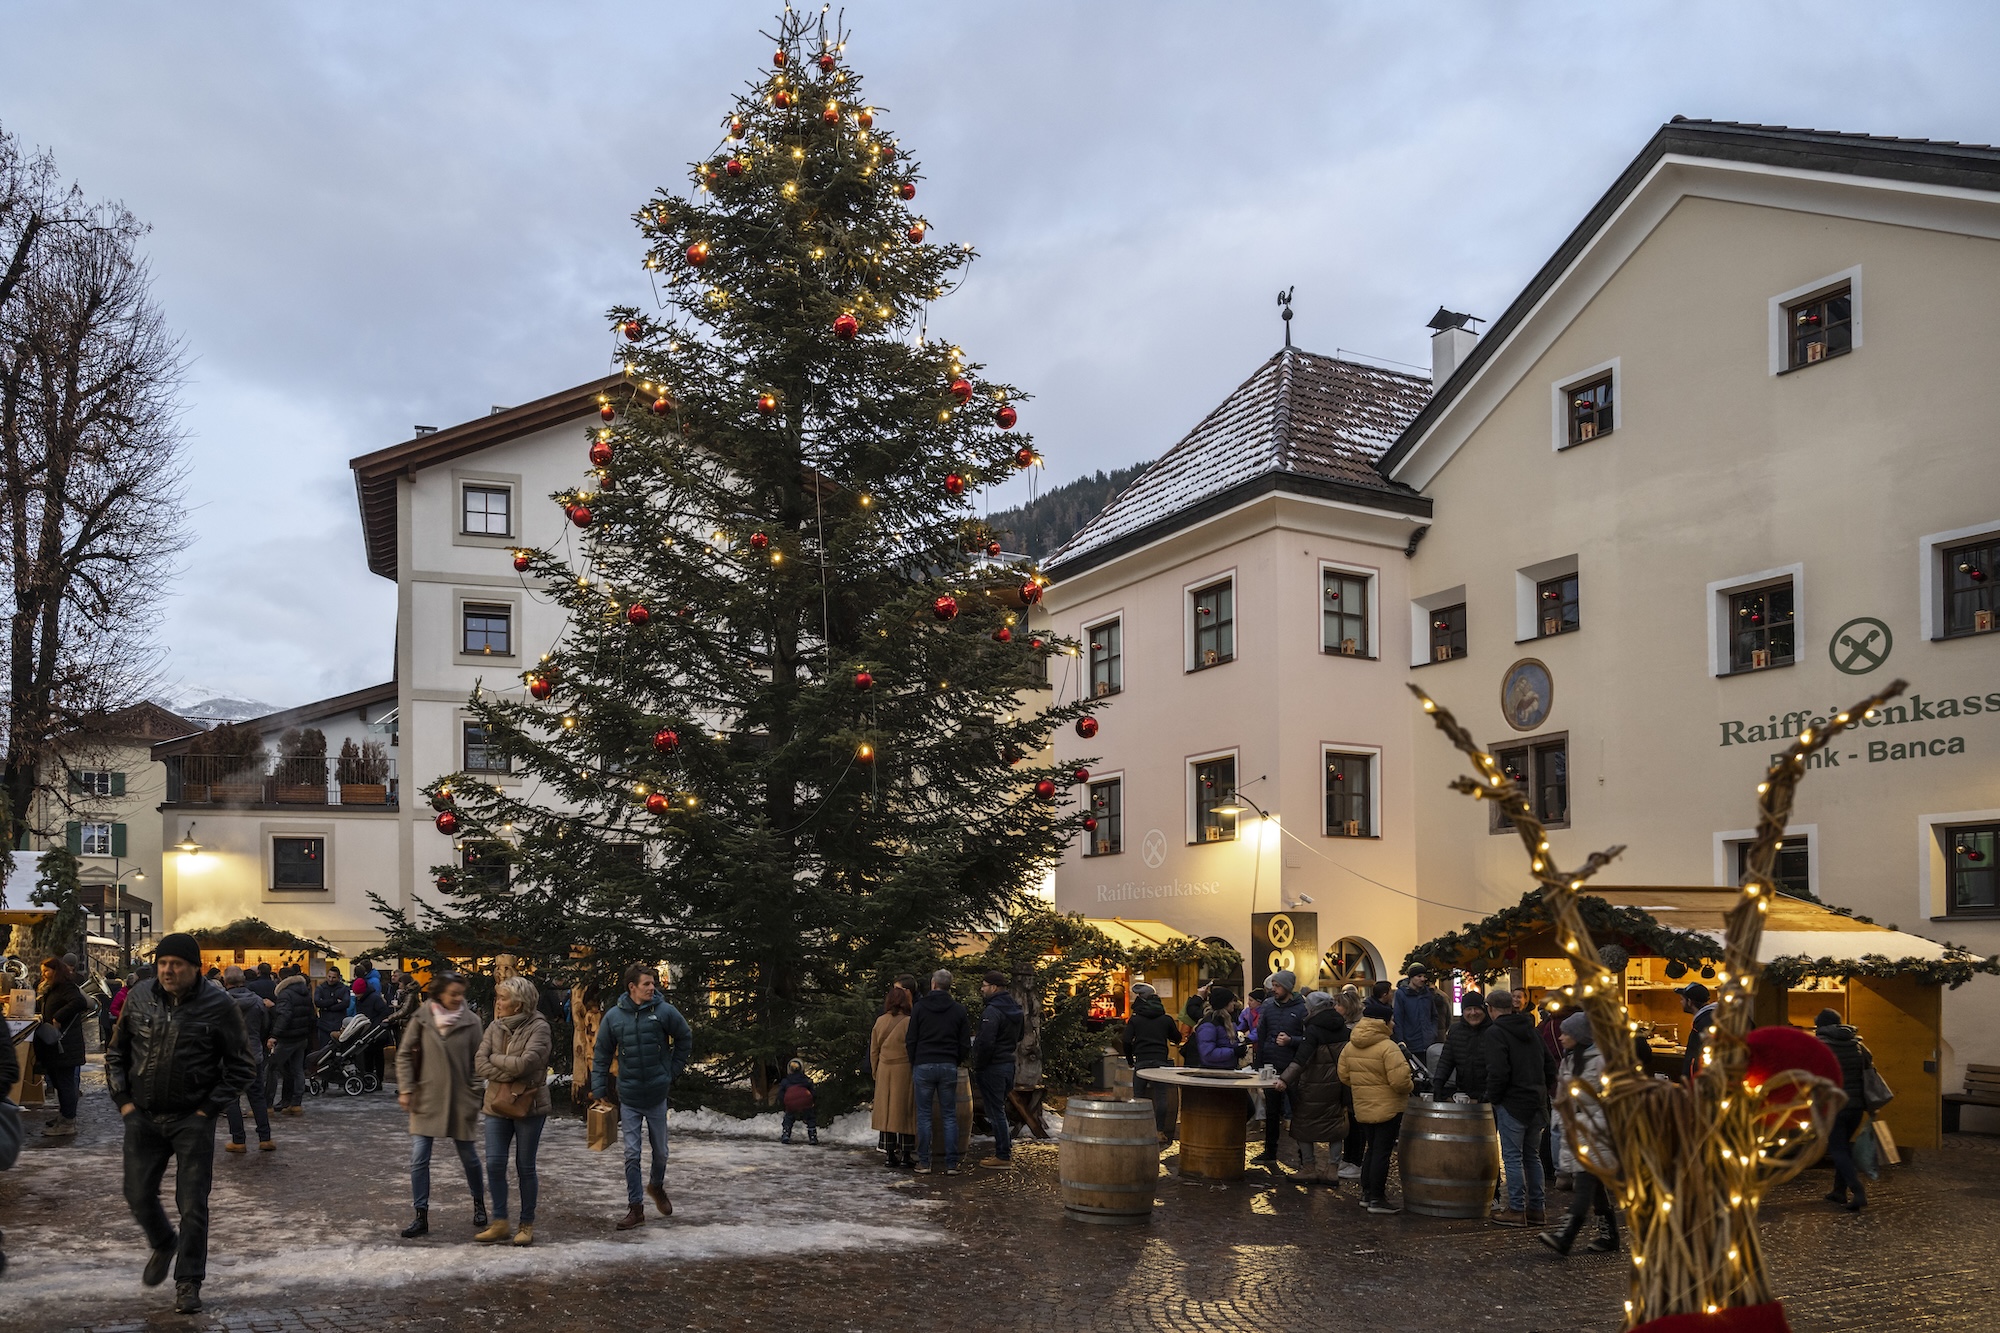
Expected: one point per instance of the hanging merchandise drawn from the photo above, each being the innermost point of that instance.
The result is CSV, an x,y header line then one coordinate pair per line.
x,y
1086,727
945,607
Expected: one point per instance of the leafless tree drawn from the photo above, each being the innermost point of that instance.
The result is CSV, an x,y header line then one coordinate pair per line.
x,y
91,478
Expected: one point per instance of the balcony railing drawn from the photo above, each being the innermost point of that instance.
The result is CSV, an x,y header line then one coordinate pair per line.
x,y
206,779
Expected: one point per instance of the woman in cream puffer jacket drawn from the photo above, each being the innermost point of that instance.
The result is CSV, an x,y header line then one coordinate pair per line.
x,y
1375,1069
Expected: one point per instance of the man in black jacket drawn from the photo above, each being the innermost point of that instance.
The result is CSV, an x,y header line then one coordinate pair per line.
x,y
1000,1026
178,1058
257,1027
292,1023
1519,1070
1461,1065
1150,1036
939,1037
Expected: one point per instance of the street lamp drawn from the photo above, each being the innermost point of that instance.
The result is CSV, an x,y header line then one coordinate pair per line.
x,y
187,843
137,873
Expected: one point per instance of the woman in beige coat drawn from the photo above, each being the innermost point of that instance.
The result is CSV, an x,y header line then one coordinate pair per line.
x,y
1374,1067
895,1114
514,1060
434,1083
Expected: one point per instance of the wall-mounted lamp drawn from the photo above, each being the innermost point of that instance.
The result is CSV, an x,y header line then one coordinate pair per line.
x,y
187,843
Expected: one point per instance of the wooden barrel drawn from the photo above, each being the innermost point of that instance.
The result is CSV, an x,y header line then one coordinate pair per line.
x,y
1450,1155
1213,1131
1110,1161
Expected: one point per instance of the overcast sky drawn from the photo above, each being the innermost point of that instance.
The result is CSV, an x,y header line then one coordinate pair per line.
x,y
367,216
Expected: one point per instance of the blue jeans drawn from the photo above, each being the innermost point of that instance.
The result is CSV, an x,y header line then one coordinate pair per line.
x,y
995,1082
1521,1156
654,1118
420,1170
937,1083
525,1135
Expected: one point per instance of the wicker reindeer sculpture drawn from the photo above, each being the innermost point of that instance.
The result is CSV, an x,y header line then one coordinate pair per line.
x,y
1686,1162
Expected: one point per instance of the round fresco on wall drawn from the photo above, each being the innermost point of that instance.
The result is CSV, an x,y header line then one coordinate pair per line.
x,y
1526,694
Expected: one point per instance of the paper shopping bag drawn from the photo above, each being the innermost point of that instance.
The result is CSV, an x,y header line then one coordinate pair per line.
x,y
601,1126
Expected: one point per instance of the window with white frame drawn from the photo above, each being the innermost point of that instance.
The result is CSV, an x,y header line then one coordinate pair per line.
x,y
1104,818
1757,621
1971,886
487,511
1345,614
97,782
95,839
489,629
1438,626
1971,575
1817,322
1587,405
1107,657
1350,794
1791,871
1212,610
1213,797
1540,768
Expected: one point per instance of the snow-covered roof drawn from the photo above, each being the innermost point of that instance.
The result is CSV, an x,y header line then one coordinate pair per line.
x,y
1305,422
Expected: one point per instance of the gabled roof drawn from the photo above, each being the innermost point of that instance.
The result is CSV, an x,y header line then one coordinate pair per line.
x,y
316,711
143,722
1303,423
1923,162
375,474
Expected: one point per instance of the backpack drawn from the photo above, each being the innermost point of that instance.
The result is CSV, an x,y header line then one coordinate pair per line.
x,y
799,1098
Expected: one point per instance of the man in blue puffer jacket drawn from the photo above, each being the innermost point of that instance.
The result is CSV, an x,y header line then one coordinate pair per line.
x,y
652,1042
1281,1025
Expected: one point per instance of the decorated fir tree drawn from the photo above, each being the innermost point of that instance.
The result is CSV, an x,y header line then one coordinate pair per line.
x,y
788,742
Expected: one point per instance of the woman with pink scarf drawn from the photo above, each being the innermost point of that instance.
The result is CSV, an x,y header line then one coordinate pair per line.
x,y
434,1083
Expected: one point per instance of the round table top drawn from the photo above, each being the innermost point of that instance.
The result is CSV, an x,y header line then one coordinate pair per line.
x,y
1219,1080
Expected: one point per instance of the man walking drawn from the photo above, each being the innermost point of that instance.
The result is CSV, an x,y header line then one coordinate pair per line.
x,y
938,1038
257,1027
178,1056
1519,1071
1281,1025
1000,1026
1422,1014
652,1042
291,1029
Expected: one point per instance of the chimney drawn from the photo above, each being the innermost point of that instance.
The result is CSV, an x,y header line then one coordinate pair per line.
x,y
1451,342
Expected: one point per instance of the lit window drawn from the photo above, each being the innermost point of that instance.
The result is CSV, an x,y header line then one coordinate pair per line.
x,y
1344,613
487,510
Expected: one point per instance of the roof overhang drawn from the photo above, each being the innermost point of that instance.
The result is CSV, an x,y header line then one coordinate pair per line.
x,y
291,717
376,474
1939,187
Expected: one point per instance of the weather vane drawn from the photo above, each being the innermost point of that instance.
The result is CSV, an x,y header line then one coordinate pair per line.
x,y
1285,307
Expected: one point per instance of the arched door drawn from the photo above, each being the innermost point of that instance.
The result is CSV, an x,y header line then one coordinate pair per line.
x,y
1351,959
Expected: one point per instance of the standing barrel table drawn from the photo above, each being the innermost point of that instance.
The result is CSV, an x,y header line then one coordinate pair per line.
x,y
1213,1117
1109,1160
1450,1158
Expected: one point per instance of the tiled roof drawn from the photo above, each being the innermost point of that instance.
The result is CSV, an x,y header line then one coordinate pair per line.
x,y
1302,422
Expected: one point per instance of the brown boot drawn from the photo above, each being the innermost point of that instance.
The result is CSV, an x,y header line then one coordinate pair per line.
x,y
658,1194
633,1217
498,1229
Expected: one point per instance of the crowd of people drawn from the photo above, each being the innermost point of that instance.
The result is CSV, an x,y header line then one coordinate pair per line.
x,y
914,1054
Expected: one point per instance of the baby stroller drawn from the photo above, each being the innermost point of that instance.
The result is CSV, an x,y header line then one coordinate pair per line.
x,y
343,1062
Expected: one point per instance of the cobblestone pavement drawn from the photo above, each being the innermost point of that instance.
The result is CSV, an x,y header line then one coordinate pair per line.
x,y
825,1238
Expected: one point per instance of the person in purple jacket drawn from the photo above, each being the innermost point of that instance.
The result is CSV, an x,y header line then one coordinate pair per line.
x,y
1216,1044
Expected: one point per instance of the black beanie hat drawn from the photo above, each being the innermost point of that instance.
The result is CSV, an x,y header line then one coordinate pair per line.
x,y
178,945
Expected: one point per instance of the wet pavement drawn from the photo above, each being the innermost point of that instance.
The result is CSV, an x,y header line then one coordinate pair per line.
x,y
799,1238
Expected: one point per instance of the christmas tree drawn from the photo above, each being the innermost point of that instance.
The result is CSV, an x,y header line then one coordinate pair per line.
x,y
788,742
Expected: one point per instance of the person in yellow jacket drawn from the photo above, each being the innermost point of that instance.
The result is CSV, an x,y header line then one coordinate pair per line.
x,y
1375,1069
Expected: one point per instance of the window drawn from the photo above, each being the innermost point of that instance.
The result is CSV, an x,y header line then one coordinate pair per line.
x,y
482,754
1541,769
1556,605
1350,801
1819,327
1589,411
488,629
487,510
1107,658
1214,625
1214,786
1969,575
298,863
96,840
1760,626
484,865
97,782
1344,613
1448,633
1107,807
1970,852
1792,870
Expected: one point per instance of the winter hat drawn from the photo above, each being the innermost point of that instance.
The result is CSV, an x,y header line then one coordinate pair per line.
x,y
1695,993
995,979
1828,1018
1473,1000
1284,977
1146,990
1377,1009
178,945
1317,1001
1220,997
796,1067
1577,1028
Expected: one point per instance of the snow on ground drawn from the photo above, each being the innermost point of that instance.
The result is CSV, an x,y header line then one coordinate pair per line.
x,y
323,1210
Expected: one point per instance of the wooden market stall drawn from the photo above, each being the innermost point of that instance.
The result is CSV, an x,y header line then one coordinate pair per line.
x,y
1887,983
1174,981
248,941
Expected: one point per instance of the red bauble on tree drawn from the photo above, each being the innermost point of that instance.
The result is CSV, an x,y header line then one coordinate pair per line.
x,y
1024,457
954,484
662,405
961,390
1045,789
447,823
521,561
863,681
908,189
1031,592
541,686
888,151
580,515
826,64
1090,823
637,614
767,403
1003,635
634,330
734,166
759,542
608,412
993,548
666,740
658,803
781,99
1081,775
698,253
916,234
865,119
945,607
845,327
779,57
1086,727
600,453
831,115
736,127
1005,419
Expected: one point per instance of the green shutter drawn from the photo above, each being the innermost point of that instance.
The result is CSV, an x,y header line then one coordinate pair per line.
x,y
118,840
118,788
73,837
75,782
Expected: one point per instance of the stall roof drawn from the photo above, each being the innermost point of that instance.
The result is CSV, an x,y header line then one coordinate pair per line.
x,y
1794,928
1138,934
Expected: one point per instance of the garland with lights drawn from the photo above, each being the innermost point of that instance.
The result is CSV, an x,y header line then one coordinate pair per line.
x,y
1688,1162
781,742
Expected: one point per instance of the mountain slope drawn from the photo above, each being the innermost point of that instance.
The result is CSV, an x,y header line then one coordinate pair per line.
x,y
1040,526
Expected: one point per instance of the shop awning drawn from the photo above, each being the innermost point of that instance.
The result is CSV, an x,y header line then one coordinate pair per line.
x,y
1138,935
